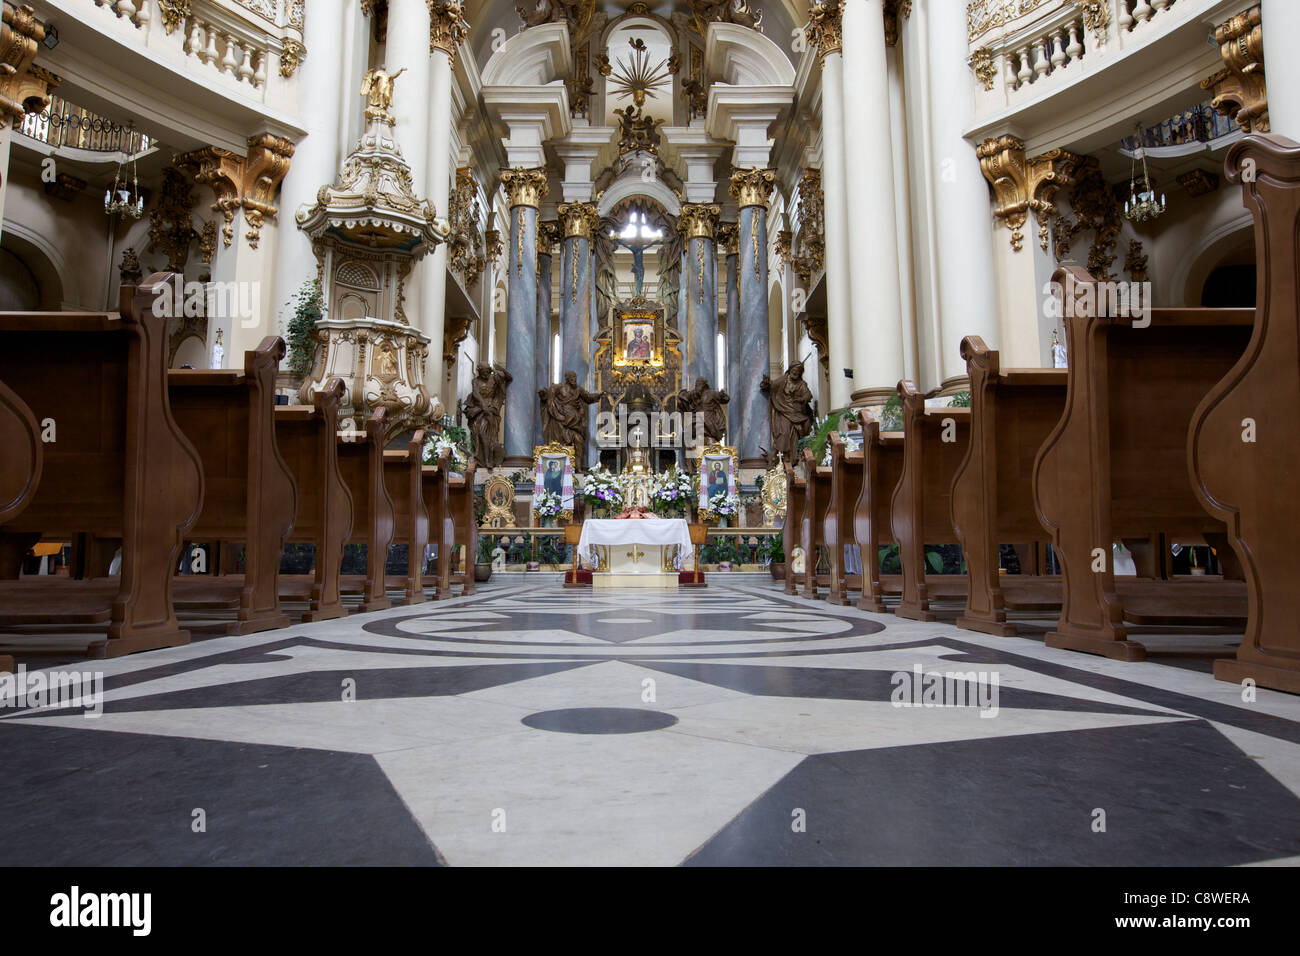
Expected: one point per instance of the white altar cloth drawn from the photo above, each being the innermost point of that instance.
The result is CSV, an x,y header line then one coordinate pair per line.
x,y
664,532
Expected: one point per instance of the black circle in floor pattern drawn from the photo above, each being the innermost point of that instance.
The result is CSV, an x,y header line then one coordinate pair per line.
x,y
599,720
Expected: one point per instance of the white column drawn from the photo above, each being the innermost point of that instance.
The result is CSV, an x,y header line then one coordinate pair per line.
x,y
873,257
839,331
967,292
316,156
438,189
1281,22
408,47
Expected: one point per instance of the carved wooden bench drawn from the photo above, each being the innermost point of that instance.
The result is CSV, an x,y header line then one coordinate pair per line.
x,y
361,463
1115,466
1012,413
838,524
792,528
934,443
306,436
449,500
20,466
1251,485
882,464
812,526
249,494
119,468
403,475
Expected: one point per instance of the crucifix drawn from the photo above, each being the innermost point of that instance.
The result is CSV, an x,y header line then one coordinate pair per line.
x,y
637,237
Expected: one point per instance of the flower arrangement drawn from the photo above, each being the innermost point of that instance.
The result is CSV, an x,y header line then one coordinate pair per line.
x,y
435,446
850,444
600,489
546,504
725,506
673,492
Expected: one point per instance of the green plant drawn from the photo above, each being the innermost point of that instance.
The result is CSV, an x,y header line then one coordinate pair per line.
x,y
961,400
550,549
771,549
486,545
891,415
816,441
308,309
891,562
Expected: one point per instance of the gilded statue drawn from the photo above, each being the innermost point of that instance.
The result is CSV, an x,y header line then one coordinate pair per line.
x,y
564,413
790,405
483,412
377,88
707,403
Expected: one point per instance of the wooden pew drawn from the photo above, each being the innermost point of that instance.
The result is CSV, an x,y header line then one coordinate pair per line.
x,y
461,527
306,436
403,476
1251,485
1115,465
249,493
882,464
1012,413
450,503
812,529
934,443
361,463
20,467
120,467
792,527
846,489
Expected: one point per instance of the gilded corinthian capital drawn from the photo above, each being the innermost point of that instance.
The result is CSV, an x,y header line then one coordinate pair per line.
x,y
578,219
447,26
823,29
525,187
698,220
751,187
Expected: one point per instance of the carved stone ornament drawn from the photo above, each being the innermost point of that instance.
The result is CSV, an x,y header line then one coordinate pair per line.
x,y
893,10
1198,182
24,88
984,66
173,13
1239,89
447,26
742,12
824,26
698,220
751,187
129,271
525,187
1135,263
170,229
465,244
1021,186
1094,207
812,227
290,57
248,182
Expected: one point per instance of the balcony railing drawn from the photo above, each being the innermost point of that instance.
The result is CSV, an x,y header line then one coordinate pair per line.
x,y
62,124
1200,124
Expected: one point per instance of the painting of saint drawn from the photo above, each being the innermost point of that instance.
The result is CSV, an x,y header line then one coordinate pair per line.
x,y
639,343
553,480
717,479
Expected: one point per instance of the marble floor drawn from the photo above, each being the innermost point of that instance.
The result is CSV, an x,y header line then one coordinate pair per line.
x,y
529,725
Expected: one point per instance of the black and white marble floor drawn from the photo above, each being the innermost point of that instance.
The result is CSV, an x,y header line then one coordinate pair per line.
x,y
532,725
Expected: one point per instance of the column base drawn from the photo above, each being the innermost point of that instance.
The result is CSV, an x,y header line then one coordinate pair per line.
x,y
873,396
517,461
951,386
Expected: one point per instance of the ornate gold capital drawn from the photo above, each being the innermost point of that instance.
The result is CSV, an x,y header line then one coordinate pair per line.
x,y
247,182
823,29
525,187
893,10
548,234
698,220
751,187
578,219
1021,186
447,26
729,238
1240,91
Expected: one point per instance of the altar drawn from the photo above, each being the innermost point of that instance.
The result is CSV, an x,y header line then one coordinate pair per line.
x,y
636,552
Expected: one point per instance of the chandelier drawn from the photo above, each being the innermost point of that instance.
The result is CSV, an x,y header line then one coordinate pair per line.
x,y
118,199
1141,204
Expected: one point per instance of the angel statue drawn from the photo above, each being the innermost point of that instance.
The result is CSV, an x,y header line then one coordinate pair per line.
x,y
377,87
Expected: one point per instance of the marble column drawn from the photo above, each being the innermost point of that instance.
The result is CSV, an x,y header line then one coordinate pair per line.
x,y
545,244
750,188
526,188
727,238
967,292
316,157
577,226
874,287
1280,20
408,48
446,29
697,223
824,30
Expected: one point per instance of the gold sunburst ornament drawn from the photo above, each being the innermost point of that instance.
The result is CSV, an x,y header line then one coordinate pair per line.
x,y
638,78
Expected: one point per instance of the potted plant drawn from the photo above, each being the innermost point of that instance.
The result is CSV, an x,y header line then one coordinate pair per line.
x,y
771,551
300,332
483,566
